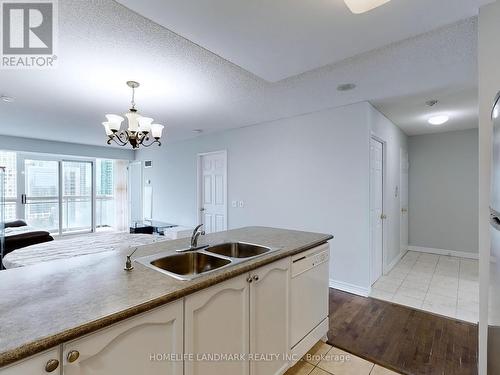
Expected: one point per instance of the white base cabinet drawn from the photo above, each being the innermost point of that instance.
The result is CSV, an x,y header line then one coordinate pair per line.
x,y
238,327
269,318
246,316
136,346
217,323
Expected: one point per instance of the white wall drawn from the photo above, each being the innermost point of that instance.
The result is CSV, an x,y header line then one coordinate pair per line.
x,y
394,140
309,172
63,148
443,182
489,85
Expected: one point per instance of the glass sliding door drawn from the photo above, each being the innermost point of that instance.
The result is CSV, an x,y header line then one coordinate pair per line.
x,y
105,195
40,201
77,206
56,195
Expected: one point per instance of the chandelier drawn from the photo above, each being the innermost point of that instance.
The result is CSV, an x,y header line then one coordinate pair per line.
x,y
140,132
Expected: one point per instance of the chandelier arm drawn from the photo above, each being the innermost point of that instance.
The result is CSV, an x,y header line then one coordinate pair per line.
x,y
155,140
124,137
116,140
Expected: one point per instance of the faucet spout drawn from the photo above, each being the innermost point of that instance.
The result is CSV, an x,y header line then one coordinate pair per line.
x,y
196,234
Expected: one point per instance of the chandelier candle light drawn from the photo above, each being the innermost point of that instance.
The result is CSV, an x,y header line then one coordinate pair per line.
x,y
141,130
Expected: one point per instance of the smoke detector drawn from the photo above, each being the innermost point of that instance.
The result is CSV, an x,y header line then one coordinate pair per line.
x,y
346,87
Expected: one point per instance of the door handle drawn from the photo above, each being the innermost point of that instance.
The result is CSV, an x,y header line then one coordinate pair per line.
x,y
403,210
383,216
202,209
23,198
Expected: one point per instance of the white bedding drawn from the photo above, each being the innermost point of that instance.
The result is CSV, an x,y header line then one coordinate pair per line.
x,y
76,246
14,231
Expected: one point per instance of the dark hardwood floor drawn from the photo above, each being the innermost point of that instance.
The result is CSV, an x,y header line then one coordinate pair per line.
x,y
406,340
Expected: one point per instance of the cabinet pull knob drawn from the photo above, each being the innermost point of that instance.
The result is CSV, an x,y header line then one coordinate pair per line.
x,y
51,365
249,279
256,277
73,355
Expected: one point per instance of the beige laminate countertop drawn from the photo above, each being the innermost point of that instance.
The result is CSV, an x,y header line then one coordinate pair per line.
x,y
47,304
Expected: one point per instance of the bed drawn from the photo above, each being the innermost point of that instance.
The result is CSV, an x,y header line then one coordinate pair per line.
x,y
77,245
18,235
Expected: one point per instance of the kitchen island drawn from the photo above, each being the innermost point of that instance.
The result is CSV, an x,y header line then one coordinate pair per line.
x,y
87,313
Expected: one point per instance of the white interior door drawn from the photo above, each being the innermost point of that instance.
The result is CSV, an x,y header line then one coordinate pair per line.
x,y
212,191
376,208
404,200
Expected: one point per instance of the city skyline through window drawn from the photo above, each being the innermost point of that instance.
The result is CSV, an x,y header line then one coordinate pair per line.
x,y
41,205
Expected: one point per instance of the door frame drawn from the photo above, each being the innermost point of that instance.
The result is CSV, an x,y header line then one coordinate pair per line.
x,y
405,151
384,206
199,188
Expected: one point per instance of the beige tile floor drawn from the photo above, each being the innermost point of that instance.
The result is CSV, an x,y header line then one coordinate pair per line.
x,y
324,359
439,284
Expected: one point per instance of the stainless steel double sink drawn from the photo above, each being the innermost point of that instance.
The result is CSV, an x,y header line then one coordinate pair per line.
x,y
190,264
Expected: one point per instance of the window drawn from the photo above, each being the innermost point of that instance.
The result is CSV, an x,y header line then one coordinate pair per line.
x,y
41,193
56,193
9,160
105,194
77,196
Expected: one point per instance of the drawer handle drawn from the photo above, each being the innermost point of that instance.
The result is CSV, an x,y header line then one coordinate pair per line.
x,y
51,365
73,355
249,279
256,278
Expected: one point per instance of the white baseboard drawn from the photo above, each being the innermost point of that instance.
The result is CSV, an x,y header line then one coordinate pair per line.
x,y
395,261
350,288
453,253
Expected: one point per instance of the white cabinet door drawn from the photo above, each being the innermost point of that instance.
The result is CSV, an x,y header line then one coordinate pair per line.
x,y
269,318
139,345
40,364
217,323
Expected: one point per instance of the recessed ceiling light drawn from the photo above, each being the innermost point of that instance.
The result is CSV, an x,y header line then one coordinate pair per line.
x,y
7,99
362,6
346,87
197,131
439,120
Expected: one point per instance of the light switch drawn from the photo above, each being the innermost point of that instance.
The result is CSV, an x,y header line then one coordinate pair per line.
x,y
234,204
240,204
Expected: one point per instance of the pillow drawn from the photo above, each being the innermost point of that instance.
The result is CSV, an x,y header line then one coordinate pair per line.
x,y
15,224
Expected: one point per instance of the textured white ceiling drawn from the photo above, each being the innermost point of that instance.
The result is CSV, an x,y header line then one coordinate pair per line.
x,y
282,38
412,114
187,87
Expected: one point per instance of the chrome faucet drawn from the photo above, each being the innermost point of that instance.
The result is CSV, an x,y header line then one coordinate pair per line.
x,y
194,237
194,240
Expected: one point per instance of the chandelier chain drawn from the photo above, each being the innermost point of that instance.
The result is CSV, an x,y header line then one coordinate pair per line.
x,y
133,98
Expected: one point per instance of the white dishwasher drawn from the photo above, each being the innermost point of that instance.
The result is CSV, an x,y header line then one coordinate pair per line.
x,y
309,298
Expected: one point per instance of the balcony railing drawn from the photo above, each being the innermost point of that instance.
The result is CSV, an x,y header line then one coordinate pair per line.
x,y
43,212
